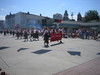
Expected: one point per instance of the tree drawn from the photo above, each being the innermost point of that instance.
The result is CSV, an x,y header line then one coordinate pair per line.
x,y
91,15
99,18
79,17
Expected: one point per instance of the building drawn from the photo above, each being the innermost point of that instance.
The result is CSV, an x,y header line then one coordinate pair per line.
x,y
24,20
27,20
79,17
69,26
10,20
1,24
65,18
57,16
48,21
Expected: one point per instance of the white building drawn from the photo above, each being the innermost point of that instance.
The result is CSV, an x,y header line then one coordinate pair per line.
x,y
27,20
57,16
24,20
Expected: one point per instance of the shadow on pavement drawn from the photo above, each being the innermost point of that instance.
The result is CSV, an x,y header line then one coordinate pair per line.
x,y
57,44
1,48
42,51
98,53
21,49
74,53
46,46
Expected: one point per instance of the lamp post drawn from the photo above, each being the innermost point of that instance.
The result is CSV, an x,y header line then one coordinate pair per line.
x,y
57,25
58,22
72,14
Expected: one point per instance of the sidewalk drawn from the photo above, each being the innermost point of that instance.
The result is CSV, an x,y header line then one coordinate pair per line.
x,y
89,68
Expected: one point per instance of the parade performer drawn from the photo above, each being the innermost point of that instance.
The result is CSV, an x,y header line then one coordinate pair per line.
x,y
61,30
46,35
18,34
26,35
37,35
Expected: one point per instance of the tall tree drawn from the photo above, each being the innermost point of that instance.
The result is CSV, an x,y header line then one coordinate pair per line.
x,y
79,17
91,15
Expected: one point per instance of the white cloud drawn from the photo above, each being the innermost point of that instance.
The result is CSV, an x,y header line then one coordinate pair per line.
x,y
2,17
15,7
2,9
62,5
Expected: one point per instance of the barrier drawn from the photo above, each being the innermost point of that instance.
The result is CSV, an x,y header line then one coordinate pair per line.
x,y
55,37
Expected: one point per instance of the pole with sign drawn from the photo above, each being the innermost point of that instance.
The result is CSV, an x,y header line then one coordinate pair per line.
x,y
58,22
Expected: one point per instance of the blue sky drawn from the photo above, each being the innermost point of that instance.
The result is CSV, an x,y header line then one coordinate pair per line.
x,y
48,7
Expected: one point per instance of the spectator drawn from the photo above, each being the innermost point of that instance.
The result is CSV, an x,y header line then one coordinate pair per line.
x,y
3,73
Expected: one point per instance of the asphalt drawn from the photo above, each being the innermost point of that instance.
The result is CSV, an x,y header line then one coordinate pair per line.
x,y
72,57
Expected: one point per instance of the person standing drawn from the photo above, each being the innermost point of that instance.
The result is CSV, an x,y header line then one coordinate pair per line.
x,y
37,35
31,34
53,30
46,35
1,31
18,34
5,32
21,34
61,30
26,35
2,72
13,32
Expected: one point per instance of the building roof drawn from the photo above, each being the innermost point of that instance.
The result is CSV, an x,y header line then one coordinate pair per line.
x,y
57,14
70,22
93,23
79,23
44,17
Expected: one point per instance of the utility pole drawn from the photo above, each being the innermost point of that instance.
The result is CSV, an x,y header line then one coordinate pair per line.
x,y
72,14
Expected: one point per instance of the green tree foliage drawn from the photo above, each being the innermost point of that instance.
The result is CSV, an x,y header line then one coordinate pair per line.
x,y
91,15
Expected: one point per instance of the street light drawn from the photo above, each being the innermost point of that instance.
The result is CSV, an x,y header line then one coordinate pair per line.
x,y
72,14
58,22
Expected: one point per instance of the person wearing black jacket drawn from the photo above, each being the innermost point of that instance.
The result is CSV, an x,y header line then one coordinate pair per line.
x,y
5,32
46,35
37,35
26,35
17,34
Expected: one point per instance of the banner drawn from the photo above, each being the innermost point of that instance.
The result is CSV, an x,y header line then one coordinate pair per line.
x,y
59,21
55,37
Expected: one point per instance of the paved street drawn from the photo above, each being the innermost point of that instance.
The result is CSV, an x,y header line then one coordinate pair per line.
x,y
32,58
